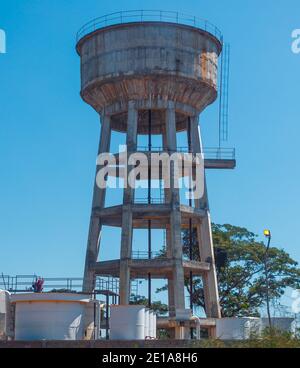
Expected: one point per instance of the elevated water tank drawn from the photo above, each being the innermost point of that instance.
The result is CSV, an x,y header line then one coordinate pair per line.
x,y
127,322
142,60
49,316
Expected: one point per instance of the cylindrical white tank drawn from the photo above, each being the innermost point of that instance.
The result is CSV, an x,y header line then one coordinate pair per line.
x,y
151,320
147,326
281,324
236,328
154,326
5,314
127,322
49,316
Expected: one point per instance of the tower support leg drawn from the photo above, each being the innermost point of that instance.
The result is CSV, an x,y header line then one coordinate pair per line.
x,y
95,223
127,230
126,250
204,235
175,218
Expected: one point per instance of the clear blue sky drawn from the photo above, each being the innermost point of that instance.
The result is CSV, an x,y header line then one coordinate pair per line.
x,y
49,136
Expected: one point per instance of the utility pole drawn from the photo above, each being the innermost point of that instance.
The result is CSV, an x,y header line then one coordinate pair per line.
x,y
267,234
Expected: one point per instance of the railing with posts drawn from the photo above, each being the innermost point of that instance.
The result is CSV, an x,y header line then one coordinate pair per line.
x,y
145,255
24,283
146,201
209,153
219,153
148,16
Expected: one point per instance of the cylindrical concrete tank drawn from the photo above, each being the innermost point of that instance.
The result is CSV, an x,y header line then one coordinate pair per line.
x,y
127,322
147,325
49,316
155,61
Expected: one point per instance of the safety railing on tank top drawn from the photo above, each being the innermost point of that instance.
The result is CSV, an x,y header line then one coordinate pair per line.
x,y
130,16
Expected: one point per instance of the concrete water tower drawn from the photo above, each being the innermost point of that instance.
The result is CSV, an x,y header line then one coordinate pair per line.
x,y
152,73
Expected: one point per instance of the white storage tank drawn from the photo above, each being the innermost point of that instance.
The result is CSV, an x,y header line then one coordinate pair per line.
x,y
127,322
237,328
151,322
255,325
147,324
49,316
5,314
154,326
281,324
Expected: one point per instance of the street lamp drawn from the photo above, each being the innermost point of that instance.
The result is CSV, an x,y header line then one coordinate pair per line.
x,y
268,235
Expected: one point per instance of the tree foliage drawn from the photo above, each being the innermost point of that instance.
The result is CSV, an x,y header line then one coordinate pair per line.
x,y
156,306
240,263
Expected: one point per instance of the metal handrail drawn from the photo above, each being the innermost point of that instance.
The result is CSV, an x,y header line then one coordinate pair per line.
x,y
152,201
145,255
148,15
209,153
220,153
23,283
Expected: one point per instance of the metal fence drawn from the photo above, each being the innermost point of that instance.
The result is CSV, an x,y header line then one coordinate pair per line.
x,y
148,15
24,283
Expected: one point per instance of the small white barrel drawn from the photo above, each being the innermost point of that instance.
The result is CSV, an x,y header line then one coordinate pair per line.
x,y
147,329
127,322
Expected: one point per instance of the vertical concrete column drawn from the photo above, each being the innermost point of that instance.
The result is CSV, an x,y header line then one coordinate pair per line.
x,y
166,149
126,237
98,203
175,216
131,143
204,235
171,300
196,145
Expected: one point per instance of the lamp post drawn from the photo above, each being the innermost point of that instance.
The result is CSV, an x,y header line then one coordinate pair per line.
x,y
268,235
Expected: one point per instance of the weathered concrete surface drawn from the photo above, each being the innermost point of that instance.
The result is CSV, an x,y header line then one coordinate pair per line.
x,y
95,221
159,268
148,59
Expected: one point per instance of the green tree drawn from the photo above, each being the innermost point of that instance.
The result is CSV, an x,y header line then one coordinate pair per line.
x,y
240,270
156,306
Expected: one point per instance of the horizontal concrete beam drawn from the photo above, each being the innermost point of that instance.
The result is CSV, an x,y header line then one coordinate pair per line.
x,y
159,214
159,268
166,322
220,164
